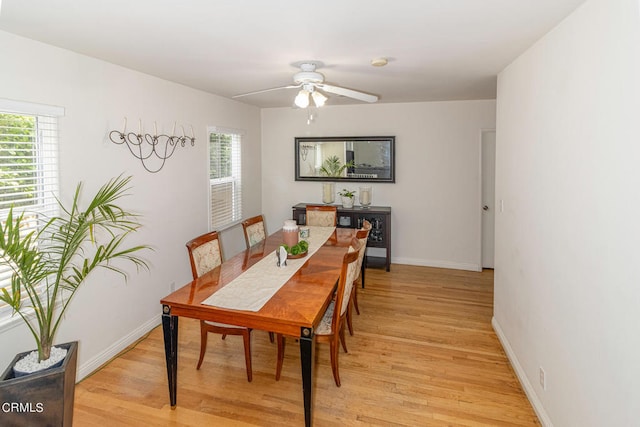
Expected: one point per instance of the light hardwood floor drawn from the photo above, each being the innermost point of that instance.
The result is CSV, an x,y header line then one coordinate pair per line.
x,y
423,354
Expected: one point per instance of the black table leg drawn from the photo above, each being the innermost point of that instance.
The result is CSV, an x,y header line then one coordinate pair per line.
x,y
306,361
170,330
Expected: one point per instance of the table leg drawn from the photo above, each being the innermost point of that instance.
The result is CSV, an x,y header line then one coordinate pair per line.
x,y
306,361
170,330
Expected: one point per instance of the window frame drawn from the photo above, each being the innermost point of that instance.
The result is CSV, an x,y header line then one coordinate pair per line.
x,y
235,179
46,141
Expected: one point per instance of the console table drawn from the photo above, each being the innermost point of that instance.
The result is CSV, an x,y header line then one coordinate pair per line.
x,y
378,216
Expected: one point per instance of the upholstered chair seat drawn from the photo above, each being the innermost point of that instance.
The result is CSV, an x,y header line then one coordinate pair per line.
x,y
324,328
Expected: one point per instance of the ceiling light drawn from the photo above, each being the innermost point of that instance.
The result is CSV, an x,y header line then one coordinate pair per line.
x,y
379,62
318,98
302,99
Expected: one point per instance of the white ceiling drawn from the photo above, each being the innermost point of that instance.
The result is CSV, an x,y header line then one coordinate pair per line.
x,y
437,49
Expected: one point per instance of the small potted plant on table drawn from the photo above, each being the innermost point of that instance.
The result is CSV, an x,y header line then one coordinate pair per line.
x,y
347,197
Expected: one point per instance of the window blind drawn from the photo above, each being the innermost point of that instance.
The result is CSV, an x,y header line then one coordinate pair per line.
x,y
28,169
225,177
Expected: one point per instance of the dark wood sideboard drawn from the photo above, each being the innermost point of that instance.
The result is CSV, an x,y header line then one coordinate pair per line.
x,y
378,216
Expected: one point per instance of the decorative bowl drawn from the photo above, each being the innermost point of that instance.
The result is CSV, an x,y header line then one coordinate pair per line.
x,y
300,255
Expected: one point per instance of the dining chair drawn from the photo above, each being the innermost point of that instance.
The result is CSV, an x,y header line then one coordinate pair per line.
x,y
254,229
331,327
362,235
322,215
205,254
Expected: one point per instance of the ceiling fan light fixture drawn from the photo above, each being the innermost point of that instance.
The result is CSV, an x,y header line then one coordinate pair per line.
x,y
308,81
302,99
318,98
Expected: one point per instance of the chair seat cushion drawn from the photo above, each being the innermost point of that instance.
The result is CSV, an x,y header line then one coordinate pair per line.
x,y
324,328
223,325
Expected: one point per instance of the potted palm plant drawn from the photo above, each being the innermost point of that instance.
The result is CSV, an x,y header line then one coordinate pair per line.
x,y
48,266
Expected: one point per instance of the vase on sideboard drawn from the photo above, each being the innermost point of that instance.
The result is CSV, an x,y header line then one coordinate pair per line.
x,y
328,192
365,197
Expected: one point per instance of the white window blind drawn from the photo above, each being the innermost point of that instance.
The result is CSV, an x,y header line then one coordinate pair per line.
x,y
28,168
225,177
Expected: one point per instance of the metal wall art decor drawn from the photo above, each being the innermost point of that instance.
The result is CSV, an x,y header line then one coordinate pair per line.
x,y
152,150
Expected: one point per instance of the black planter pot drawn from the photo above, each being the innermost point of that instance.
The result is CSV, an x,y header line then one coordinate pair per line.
x,y
44,398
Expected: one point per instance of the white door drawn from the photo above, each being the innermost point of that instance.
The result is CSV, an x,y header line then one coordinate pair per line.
x,y
488,196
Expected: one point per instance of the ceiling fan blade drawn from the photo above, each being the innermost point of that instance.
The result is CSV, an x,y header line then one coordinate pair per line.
x,y
266,90
366,97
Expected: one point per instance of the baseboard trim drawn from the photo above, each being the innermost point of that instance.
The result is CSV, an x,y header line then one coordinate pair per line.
x,y
543,417
437,264
117,347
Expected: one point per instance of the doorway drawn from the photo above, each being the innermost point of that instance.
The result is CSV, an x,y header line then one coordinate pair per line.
x,y
488,188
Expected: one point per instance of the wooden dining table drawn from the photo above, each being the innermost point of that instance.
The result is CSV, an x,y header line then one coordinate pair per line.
x,y
294,310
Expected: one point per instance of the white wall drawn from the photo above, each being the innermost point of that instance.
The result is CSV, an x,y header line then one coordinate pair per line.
x,y
107,314
436,198
567,282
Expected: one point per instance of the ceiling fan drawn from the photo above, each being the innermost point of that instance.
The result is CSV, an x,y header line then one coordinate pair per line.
x,y
310,83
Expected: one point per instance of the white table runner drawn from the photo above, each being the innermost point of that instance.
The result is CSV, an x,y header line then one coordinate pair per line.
x,y
253,288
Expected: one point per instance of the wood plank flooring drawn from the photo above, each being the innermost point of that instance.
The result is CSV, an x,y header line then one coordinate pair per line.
x,y
423,354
